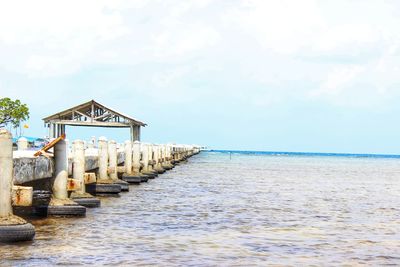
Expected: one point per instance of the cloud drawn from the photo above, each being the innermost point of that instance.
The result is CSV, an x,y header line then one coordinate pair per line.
x,y
260,52
338,80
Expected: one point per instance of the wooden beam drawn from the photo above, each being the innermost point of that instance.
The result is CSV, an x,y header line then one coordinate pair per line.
x,y
84,115
105,114
92,113
93,124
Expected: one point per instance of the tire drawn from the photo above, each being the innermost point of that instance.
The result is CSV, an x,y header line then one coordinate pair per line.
x,y
144,178
160,171
88,202
41,198
150,175
168,167
16,233
132,179
103,188
66,210
124,185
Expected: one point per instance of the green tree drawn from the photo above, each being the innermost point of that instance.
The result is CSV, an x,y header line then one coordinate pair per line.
x,y
12,112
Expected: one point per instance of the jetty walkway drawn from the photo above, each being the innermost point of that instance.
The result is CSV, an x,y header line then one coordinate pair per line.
x,y
66,180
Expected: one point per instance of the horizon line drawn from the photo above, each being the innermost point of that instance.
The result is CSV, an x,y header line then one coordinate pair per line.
x,y
304,153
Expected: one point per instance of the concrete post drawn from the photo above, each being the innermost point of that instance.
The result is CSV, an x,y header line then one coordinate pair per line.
x,y
6,173
157,158
136,157
79,164
168,153
12,228
150,157
128,157
103,158
22,143
112,159
61,170
93,141
145,157
161,153
156,155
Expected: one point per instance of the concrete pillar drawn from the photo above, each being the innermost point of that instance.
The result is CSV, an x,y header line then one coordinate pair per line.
x,y
145,157
93,141
6,173
22,143
78,162
136,157
61,170
103,158
112,159
168,153
156,155
150,157
162,153
128,157
135,133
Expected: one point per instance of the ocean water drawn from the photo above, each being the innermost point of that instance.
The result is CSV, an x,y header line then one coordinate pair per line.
x,y
234,209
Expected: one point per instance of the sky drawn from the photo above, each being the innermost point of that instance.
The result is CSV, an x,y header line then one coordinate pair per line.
x,y
317,76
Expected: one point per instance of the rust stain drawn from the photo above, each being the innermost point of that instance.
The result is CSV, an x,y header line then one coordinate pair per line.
x,y
18,196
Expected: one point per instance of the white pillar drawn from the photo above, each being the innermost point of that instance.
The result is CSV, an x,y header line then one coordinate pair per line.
x,y
128,157
22,143
103,158
136,157
6,173
93,141
78,162
112,159
162,154
61,168
145,157
168,153
150,157
156,157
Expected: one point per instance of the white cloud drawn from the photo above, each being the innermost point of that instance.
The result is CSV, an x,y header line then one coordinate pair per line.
x,y
183,40
338,80
283,26
283,48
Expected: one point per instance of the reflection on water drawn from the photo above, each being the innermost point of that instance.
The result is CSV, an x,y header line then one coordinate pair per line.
x,y
250,210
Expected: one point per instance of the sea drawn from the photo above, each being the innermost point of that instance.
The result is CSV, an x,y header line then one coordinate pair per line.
x,y
235,208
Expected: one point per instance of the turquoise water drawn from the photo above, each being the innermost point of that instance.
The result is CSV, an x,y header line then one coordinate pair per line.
x,y
232,209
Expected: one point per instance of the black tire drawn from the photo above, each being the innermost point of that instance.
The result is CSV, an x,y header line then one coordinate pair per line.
x,y
150,175
103,188
168,167
144,178
16,233
108,195
41,198
160,171
124,185
88,202
132,179
66,210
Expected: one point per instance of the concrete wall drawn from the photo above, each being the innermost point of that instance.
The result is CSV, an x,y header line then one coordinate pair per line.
x,y
28,169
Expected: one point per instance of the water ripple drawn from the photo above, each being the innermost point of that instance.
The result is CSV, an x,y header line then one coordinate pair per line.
x,y
251,210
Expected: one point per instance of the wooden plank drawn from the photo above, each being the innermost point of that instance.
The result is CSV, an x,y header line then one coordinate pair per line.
x,y
49,145
94,124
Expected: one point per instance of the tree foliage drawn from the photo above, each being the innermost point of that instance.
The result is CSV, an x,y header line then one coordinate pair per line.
x,y
12,112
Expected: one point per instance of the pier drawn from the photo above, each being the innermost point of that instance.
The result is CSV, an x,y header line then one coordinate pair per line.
x,y
65,179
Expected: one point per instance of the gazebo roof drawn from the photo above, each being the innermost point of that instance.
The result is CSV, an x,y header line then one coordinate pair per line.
x,y
93,114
